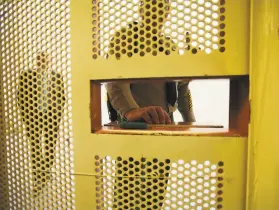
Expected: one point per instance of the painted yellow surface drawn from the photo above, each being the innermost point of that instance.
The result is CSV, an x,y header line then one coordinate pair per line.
x,y
263,139
231,150
235,60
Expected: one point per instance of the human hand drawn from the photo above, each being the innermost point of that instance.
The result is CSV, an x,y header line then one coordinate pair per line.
x,y
150,114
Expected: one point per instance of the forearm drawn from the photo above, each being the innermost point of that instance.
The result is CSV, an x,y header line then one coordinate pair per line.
x,y
121,97
185,102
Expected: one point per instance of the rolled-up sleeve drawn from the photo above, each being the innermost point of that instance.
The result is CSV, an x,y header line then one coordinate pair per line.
x,y
121,97
184,101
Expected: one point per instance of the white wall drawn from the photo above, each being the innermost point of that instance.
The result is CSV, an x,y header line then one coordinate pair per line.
x,y
210,102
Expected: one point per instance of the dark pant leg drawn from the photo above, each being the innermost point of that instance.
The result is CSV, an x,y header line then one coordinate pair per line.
x,y
140,184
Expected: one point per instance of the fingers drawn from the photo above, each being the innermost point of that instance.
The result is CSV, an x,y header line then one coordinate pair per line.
x,y
158,115
164,118
154,115
147,118
161,114
151,114
167,118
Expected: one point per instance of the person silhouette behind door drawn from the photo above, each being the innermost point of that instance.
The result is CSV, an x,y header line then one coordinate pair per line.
x,y
152,102
41,100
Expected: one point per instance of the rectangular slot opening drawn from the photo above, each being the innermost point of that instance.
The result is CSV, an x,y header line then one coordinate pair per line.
x,y
220,107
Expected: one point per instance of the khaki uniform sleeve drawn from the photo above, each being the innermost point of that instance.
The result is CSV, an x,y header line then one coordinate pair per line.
x,y
184,101
121,97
